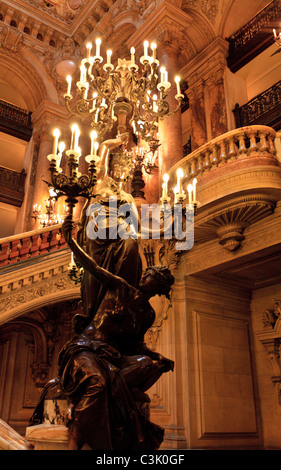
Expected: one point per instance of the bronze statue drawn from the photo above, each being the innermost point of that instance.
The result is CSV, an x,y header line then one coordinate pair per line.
x,y
106,369
116,254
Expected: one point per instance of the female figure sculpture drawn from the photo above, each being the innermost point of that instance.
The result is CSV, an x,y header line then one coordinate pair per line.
x,y
106,369
118,255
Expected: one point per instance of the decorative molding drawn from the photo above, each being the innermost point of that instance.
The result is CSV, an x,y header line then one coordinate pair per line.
x,y
254,37
208,255
227,221
270,337
264,108
214,333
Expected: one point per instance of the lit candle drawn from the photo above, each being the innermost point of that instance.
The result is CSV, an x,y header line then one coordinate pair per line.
x,y
93,138
108,55
189,190
96,146
274,32
132,55
177,80
179,175
98,43
69,80
165,185
103,104
82,74
145,46
97,115
74,130
61,150
162,71
56,135
153,47
86,90
89,48
76,139
194,189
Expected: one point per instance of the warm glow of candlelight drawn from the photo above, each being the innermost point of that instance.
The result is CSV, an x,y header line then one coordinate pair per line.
x,y
74,130
89,48
133,55
61,147
162,71
145,46
179,175
108,55
82,74
153,47
93,136
177,80
189,190
69,80
194,182
98,43
165,185
56,135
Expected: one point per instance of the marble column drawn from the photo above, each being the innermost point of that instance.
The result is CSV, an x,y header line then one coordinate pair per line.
x,y
170,128
217,102
45,119
196,95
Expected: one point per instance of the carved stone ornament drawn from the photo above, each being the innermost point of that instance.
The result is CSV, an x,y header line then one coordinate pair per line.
x,y
270,337
10,39
229,221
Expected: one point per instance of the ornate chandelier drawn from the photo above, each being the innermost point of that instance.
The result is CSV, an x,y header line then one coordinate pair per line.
x,y
105,92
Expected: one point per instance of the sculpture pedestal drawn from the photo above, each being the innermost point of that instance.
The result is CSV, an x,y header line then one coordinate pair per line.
x,y
48,436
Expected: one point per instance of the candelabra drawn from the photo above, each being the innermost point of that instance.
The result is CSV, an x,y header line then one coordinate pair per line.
x,y
179,193
74,184
105,92
49,218
146,159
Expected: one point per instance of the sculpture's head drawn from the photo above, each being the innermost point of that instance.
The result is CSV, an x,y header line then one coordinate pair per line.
x,y
157,280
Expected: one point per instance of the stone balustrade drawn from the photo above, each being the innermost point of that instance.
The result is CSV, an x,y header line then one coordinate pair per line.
x,y
31,244
238,144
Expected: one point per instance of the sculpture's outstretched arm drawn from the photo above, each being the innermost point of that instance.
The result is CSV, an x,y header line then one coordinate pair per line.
x,y
105,148
86,261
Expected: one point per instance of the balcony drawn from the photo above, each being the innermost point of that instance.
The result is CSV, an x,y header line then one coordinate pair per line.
x,y
239,183
254,37
264,108
12,186
15,121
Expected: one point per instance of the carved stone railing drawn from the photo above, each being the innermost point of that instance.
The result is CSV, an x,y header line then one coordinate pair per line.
x,y
31,244
254,37
264,108
15,121
239,183
237,144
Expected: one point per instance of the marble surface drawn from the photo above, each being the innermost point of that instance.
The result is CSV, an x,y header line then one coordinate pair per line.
x,y
11,440
48,436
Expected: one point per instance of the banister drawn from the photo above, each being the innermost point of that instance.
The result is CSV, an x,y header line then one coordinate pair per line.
x,y
233,144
